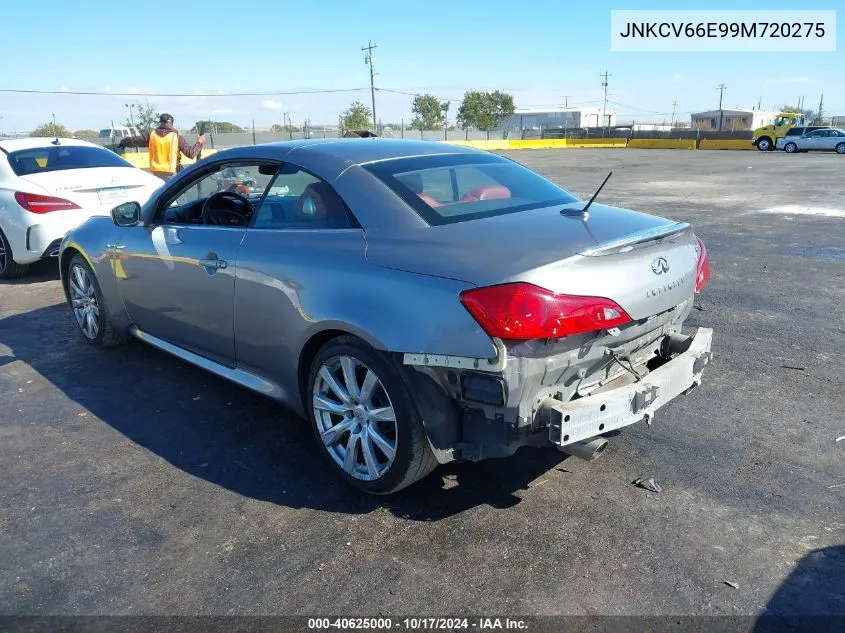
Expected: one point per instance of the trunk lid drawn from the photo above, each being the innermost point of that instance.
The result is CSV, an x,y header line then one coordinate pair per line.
x,y
643,262
97,189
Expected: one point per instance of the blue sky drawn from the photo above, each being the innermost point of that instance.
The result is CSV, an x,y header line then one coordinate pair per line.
x,y
538,50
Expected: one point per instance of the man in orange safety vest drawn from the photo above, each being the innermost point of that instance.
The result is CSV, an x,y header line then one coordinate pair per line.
x,y
166,147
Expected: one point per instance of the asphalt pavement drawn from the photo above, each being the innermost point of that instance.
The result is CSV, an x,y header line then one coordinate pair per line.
x,y
133,483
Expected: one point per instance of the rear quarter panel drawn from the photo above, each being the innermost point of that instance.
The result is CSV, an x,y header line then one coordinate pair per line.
x,y
292,285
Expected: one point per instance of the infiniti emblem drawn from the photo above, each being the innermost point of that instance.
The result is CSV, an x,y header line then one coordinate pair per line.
x,y
660,266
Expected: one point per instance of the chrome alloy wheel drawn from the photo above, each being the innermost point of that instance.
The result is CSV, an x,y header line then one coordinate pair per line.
x,y
3,255
355,417
83,299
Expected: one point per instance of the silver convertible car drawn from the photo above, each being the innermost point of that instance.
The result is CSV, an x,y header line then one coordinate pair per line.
x,y
418,302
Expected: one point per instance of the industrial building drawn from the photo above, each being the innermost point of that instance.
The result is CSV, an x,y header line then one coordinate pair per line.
x,y
545,118
732,120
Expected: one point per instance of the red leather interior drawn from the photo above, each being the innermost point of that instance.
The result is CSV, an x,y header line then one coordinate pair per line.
x,y
487,192
428,200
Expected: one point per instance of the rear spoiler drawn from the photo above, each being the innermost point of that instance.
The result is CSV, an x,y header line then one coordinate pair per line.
x,y
638,237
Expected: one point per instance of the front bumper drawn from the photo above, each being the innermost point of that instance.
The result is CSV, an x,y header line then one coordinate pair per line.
x,y
587,417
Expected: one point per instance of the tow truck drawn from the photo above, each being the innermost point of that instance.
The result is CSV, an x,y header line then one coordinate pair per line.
x,y
765,138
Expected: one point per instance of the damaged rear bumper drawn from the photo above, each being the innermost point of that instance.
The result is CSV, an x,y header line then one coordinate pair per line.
x,y
555,393
587,417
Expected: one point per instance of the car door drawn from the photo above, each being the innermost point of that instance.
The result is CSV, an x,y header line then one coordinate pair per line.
x,y
831,140
814,140
302,243
177,274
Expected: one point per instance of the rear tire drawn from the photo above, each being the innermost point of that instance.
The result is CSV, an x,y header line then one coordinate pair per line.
x,y
364,418
790,148
840,149
88,305
764,144
9,268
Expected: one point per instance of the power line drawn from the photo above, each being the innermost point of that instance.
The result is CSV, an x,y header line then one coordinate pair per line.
x,y
178,94
604,108
721,90
369,60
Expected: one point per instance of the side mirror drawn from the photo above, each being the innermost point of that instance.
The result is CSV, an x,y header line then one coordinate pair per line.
x,y
126,214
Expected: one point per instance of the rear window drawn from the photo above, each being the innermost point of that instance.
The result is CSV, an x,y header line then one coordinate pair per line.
x,y
460,187
39,160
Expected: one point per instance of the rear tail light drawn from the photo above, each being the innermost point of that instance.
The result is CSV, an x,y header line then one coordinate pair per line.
x,y
702,268
524,311
43,204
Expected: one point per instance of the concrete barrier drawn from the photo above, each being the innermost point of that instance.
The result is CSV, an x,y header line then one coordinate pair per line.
x,y
597,142
537,143
661,143
490,145
726,144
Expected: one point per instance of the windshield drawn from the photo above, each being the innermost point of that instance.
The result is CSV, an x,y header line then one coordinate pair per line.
x,y
38,160
460,187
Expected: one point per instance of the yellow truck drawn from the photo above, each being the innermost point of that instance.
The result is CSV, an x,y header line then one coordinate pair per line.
x,y
766,137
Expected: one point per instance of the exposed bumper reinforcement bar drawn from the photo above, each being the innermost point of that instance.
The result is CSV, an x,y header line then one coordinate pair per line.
x,y
584,418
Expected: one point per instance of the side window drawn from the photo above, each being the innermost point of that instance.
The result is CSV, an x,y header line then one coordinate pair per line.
x,y
297,199
247,179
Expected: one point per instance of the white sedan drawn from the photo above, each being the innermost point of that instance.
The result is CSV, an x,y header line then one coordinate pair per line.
x,y
49,186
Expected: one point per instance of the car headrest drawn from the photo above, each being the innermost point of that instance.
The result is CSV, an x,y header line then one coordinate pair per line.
x,y
320,204
487,192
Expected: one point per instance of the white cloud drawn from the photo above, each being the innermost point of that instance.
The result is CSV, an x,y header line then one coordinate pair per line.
x,y
800,79
678,78
124,90
269,104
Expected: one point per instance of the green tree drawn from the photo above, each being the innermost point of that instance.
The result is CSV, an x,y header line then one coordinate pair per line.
x,y
86,134
50,129
430,113
484,110
279,127
220,127
144,116
357,116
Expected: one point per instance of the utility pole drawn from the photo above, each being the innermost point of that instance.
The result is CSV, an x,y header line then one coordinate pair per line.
x,y
604,109
368,59
820,111
566,100
674,105
721,116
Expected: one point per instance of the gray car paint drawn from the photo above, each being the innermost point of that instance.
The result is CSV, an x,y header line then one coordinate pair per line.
x,y
395,282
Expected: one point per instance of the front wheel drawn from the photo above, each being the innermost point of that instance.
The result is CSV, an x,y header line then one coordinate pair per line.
x,y
790,148
364,418
840,149
764,144
89,306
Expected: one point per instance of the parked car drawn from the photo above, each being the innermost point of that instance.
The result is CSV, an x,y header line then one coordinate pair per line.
x,y
797,131
418,302
48,186
826,139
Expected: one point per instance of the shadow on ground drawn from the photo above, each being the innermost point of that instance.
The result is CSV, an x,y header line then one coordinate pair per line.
x,y
812,598
227,435
43,270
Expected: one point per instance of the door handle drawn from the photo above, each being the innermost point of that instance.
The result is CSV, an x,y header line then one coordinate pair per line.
x,y
171,235
213,263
